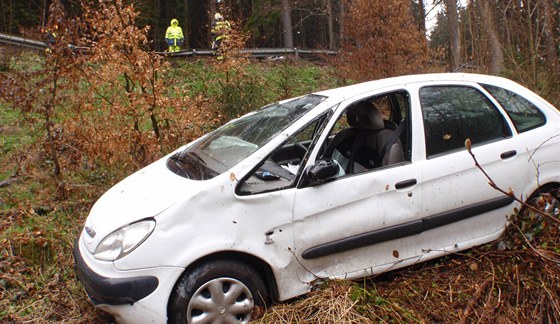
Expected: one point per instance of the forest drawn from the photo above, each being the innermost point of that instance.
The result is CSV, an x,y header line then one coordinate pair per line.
x,y
517,38
101,103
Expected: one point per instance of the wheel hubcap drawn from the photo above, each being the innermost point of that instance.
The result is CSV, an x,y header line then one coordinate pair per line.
x,y
221,300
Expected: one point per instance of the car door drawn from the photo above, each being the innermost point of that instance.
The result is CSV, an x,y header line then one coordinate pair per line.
x,y
461,208
349,227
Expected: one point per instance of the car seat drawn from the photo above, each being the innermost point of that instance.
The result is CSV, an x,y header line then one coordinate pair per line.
x,y
366,144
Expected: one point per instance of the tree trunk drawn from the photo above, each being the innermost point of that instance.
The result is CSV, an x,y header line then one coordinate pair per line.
x,y
495,46
187,25
158,34
532,44
455,46
330,24
213,10
287,24
48,110
472,20
341,14
551,44
422,16
45,14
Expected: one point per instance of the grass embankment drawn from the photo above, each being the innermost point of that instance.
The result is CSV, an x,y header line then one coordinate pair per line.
x,y
38,225
37,231
38,222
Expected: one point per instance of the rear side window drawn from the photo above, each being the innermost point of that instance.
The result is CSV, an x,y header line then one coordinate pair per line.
x,y
454,113
524,115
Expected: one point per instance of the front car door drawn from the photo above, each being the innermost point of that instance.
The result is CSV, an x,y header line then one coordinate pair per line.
x,y
347,227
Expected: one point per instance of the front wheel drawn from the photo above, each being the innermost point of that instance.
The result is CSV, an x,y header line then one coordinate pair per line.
x,y
217,292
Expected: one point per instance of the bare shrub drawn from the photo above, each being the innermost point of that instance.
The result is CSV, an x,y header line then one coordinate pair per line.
x,y
239,92
380,41
129,115
39,91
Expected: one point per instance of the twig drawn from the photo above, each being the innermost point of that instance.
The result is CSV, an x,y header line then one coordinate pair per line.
x,y
537,251
535,151
8,181
507,193
475,298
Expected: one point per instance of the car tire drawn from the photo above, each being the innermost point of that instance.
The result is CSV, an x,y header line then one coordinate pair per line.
x,y
222,291
550,205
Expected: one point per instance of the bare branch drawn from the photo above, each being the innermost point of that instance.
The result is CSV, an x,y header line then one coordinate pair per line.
x,y
8,181
492,184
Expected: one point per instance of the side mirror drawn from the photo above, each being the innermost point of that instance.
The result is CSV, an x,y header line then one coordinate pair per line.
x,y
322,170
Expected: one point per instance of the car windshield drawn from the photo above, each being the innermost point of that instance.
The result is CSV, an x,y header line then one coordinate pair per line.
x,y
228,145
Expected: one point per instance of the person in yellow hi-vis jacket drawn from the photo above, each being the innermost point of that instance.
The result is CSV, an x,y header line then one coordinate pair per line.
x,y
220,30
50,37
174,36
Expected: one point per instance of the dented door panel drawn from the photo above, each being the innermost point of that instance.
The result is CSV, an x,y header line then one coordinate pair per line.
x,y
343,213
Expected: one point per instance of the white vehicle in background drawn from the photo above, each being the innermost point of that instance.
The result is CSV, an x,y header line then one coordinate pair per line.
x,y
342,183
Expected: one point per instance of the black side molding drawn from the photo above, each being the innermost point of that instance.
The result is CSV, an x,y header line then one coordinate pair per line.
x,y
406,229
365,239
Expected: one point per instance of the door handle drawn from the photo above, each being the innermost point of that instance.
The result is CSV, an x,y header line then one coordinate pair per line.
x,y
405,183
508,154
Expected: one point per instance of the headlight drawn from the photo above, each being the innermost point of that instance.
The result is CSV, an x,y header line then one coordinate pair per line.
x,y
122,241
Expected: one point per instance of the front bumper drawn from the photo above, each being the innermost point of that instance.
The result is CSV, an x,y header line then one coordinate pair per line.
x,y
130,296
111,291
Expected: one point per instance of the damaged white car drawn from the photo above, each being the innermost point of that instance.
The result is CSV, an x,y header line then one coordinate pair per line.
x,y
342,183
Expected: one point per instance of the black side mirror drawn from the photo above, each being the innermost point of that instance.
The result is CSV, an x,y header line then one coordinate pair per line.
x,y
322,171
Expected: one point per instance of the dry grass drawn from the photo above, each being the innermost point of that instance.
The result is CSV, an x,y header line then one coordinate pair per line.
x,y
37,281
333,303
512,281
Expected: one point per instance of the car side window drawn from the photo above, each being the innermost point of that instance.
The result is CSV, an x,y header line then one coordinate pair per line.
x,y
454,113
371,133
281,169
524,115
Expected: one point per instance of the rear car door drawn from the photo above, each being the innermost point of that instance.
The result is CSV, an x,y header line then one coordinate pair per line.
x,y
461,208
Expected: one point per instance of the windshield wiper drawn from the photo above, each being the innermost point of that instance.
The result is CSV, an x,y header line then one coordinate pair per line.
x,y
190,165
178,167
197,157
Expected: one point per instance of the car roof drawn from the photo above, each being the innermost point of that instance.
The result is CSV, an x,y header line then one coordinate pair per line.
x,y
356,89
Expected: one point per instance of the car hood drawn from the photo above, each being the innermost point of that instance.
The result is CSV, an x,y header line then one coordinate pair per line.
x,y
146,193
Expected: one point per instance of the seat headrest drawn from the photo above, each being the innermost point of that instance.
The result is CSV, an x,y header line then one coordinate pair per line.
x,y
367,116
351,117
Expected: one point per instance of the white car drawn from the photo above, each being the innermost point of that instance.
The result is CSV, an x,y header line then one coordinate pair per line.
x,y
343,183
